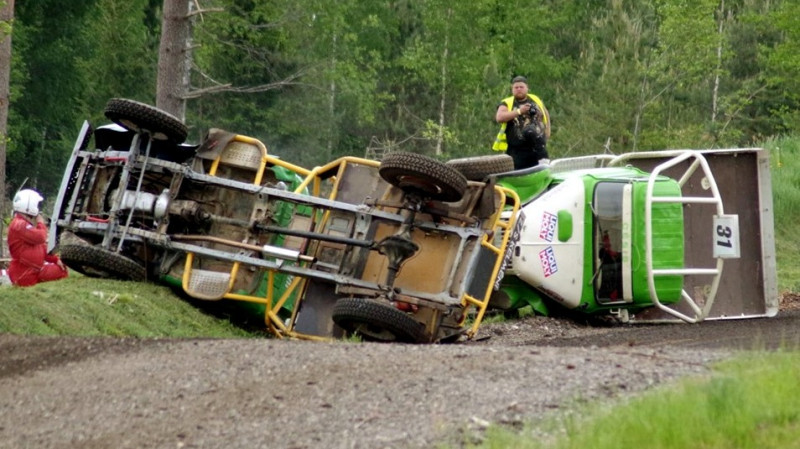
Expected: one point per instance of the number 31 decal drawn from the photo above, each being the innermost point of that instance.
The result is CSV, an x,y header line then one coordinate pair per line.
x,y
726,236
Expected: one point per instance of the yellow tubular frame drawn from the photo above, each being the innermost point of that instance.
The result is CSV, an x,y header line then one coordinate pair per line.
x,y
276,326
273,321
187,271
505,227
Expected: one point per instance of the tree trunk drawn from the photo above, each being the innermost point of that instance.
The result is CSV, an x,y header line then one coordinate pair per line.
x,y
6,16
174,58
332,95
715,91
442,92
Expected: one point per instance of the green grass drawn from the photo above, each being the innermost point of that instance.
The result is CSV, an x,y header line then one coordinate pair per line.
x,y
785,171
84,306
749,402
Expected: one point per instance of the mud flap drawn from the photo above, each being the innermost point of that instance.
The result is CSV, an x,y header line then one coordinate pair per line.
x,y
316,309
481,277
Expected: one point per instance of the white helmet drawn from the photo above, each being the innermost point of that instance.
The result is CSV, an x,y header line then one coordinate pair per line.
x,y
27,202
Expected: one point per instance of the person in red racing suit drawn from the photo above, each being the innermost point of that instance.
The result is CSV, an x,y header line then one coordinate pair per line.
x,y
27,243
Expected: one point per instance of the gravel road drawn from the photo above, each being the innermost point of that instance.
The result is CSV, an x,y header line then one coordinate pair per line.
x,y
136,393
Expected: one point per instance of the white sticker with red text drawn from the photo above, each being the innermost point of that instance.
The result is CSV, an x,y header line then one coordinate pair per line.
x,y
548,259
549,224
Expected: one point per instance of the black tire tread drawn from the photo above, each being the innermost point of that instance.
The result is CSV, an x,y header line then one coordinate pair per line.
x,y
478,168
99,262
445,183
125,112
348,312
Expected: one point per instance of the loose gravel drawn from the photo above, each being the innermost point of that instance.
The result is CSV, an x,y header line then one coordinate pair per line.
x,y
135,393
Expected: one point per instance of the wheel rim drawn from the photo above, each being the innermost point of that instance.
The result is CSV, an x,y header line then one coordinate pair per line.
x,y
419,184
133,126
373,331
92,271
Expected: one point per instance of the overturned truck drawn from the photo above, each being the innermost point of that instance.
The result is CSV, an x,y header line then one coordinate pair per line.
x,y
405,249
645,237
410,249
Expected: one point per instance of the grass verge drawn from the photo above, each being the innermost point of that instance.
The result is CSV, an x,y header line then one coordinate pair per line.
x,y
748,402
785,171
83,306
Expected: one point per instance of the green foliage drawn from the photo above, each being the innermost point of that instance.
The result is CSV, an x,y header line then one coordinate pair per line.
x,y
5,26
127,74
316,79
613,84
44,85
783,64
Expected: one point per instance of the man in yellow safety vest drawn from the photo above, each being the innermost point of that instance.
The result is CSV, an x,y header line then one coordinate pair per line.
x,y
524,126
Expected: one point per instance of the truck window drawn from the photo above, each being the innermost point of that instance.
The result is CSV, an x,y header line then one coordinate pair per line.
x,y
607,205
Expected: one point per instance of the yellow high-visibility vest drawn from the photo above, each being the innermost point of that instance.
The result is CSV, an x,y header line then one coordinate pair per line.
x,y
500,142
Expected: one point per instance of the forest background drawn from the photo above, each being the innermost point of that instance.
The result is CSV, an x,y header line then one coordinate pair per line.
x,y
319,79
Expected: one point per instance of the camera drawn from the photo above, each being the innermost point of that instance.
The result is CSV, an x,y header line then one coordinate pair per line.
x,y
534,111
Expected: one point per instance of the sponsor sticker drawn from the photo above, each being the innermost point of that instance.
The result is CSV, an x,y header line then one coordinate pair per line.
x,y
548,259
549,224
512,243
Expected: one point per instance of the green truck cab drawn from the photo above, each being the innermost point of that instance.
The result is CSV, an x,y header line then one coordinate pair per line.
x,y
609,240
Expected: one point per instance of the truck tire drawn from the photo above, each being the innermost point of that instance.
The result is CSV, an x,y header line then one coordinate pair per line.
x,y
140,117
376,321
479,167
418,174
97,262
